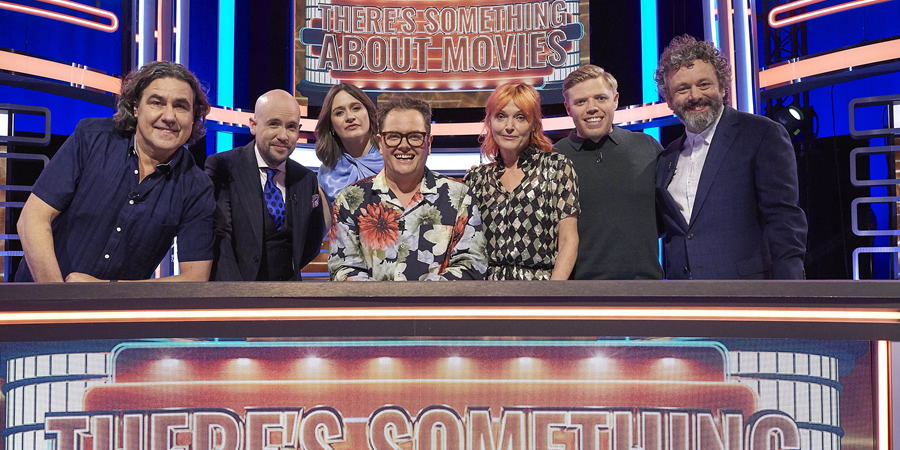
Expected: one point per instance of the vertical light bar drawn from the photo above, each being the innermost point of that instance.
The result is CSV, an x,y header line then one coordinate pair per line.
x,y
160,40
178,32
726,42
743,69
291,79
649,56
225,79
649,60
4,123
710,27
883,364
141,35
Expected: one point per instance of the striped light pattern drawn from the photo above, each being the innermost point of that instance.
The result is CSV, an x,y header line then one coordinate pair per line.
x,y
804,386
37,385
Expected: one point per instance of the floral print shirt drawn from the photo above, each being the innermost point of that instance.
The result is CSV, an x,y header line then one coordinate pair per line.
x,y
436,237
522,227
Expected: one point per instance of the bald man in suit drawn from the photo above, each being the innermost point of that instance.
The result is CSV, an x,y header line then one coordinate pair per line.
x,y
270,217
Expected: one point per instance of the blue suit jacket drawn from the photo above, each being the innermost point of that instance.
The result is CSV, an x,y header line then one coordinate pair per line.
x,y
745,223
239,214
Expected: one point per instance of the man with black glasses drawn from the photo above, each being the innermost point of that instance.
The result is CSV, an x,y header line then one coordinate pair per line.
x,y
406,222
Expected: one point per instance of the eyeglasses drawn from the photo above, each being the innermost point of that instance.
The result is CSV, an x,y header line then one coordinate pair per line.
x,y
414,139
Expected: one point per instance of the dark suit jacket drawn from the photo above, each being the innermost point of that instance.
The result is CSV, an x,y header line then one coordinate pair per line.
x,y
745,223
239,214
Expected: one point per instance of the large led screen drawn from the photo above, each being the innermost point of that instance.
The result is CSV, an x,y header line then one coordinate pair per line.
x,y
438,394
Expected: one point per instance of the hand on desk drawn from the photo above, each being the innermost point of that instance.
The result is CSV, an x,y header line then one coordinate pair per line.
x,y
78,277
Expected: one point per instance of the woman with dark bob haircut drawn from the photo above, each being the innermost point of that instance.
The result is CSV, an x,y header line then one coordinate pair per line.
x,y
527,194
345,139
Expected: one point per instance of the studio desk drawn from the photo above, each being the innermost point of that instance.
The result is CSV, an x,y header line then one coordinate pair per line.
x,y
463,365
867,310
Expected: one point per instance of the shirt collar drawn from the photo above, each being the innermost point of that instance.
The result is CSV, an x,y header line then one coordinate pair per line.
x,y
579,143
526,159
261,163
164,168
427,186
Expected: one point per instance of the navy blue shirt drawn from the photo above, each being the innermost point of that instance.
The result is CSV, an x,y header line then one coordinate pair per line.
x,y
111,226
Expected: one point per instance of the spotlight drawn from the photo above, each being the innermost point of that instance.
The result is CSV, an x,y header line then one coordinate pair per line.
x,y
796,120
791,117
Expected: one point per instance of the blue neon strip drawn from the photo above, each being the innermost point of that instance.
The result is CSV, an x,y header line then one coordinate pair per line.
x,y
225,79
649,56
224,141
225,82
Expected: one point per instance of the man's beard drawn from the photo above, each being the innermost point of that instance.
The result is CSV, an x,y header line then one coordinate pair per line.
x,y
701,121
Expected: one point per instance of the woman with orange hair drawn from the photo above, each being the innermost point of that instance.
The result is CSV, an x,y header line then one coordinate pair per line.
x,y
526,193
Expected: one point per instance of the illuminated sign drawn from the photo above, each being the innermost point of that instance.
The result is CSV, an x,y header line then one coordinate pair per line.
x,y
434,427
440,45
421,395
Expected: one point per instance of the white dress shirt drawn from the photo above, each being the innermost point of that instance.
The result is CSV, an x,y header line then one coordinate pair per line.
x,y
279,176
689,168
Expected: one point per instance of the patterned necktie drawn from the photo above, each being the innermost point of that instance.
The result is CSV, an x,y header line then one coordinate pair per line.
x,y
274,201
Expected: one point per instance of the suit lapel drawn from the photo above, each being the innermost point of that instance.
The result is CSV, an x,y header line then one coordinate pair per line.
x,y
721,144
667,164
247,181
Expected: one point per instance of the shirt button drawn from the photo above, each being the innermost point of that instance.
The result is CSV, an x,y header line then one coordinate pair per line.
x,y
118,229
106,256
130,202
135,171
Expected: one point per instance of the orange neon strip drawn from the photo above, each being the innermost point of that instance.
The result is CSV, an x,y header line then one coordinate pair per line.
x,y
80,76
113,20
843,59
835,315
57,71
774,22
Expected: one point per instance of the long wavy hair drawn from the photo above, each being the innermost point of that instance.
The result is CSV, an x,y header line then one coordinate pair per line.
x,y
528,100
328,145
133,90
682,52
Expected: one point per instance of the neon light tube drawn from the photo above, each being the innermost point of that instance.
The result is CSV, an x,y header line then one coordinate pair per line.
x,y
94,25
774,22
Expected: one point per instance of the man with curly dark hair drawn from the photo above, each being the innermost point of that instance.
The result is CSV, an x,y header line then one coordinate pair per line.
x,y
118,191
727,188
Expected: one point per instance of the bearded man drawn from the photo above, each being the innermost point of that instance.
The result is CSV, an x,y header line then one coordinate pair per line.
x,y
727,189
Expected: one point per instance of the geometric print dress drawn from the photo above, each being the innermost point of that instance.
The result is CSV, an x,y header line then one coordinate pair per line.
x,y
521,227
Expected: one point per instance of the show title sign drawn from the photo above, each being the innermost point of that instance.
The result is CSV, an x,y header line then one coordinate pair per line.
x,y
435,427
435,45
421,395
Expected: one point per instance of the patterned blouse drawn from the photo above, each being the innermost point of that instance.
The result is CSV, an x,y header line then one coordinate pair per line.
x,y
436,237
522,227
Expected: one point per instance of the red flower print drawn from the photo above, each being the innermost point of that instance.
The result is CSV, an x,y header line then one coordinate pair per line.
x,y
458,230
416,199
379,226
335,217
